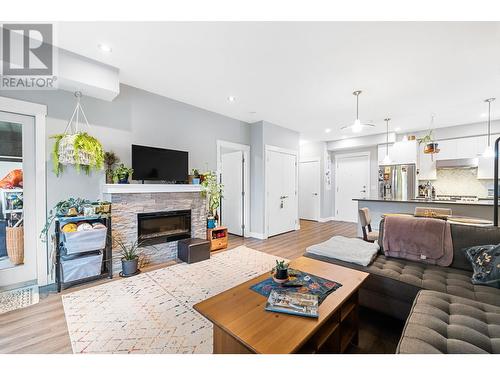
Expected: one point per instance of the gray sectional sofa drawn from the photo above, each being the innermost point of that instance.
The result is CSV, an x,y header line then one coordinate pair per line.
x,y
457,316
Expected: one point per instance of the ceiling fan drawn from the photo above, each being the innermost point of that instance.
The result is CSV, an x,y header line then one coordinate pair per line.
x,y
357,125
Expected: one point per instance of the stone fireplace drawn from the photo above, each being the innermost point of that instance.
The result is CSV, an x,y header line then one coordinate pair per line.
x,y
162,214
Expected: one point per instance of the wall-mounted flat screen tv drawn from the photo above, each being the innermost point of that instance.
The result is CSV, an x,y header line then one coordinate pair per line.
x,y
151,163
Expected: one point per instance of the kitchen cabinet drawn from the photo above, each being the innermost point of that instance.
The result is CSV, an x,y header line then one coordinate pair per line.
x,y
404,152
460,148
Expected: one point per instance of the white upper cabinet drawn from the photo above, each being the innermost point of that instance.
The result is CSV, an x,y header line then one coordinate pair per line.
x,y
404,152
460,148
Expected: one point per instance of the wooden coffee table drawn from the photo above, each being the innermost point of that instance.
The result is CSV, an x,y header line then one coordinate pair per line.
x,y
241,325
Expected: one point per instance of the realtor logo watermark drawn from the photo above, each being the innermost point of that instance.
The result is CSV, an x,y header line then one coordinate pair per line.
x,y
27,57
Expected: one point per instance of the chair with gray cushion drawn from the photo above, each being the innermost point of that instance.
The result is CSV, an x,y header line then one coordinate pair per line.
x,y
365,220
442,323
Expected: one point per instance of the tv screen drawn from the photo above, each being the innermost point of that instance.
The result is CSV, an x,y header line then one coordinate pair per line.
x,y
151,163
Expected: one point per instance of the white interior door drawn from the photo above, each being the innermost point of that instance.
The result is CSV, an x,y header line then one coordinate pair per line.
x,y
309,190
232,200
17,151
281,192
353,181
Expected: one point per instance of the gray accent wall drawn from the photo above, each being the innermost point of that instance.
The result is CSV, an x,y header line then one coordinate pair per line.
x,y
135,116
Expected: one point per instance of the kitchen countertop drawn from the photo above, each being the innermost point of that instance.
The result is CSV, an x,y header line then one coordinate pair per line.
x,y
478,203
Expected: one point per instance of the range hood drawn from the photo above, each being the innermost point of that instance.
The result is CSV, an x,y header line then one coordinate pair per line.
x,y
457,163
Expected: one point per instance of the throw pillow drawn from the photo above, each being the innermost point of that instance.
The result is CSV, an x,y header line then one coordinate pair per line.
x,y
485,261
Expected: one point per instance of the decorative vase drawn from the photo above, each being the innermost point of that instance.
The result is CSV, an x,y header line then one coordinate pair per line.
x,y
211,223
109,176
130,267
123,179
195,181
431,148
281,275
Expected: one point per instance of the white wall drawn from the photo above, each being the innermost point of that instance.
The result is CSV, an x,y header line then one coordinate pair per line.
x,y
318,150
135,116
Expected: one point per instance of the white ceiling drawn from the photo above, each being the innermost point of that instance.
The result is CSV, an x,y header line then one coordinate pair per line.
x,y
301,75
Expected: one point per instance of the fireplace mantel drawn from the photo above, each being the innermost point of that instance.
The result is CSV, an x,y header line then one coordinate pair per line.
x,y
149,188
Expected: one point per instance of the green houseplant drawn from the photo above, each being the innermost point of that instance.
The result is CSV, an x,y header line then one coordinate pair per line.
x,y
280,271
79,149
212,190
130,253
110,159
121,174
68,207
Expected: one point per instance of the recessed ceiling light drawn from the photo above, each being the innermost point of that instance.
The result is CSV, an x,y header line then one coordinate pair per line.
x,y
484,114
344,136
104,47
397,129
328,130
231,99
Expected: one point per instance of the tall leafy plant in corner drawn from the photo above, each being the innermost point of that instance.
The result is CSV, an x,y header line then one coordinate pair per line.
x,y
212,190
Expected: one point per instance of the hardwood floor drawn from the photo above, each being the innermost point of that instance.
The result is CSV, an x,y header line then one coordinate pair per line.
x,y
41,328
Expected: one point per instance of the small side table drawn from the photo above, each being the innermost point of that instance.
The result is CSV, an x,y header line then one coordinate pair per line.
x,y
218,238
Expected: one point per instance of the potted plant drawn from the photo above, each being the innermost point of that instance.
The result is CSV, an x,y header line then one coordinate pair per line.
x,y
122,174
280,271
196,177
69,207
78,149
130,256
211,190
110,160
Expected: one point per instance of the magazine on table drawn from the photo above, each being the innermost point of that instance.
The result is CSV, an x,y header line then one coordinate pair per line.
x,y
290,302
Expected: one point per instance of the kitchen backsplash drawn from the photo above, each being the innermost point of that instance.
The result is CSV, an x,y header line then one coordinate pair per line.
x,y
461,181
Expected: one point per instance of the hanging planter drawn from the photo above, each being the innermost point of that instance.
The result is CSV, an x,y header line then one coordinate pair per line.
x,y
430,146
76,147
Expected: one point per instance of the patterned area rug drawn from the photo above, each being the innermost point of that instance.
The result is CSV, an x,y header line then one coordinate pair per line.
x,y
18,298
153,312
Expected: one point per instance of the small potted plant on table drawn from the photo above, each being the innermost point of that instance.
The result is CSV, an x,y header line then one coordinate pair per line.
x,y
122,174
280,274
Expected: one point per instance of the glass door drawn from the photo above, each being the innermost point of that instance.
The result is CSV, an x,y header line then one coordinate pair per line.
x,y
18,235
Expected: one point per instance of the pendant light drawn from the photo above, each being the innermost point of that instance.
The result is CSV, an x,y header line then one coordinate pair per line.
x,y
488,152
387,159
356,126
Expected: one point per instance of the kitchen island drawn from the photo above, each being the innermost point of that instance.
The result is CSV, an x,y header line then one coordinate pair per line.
x,y
482,209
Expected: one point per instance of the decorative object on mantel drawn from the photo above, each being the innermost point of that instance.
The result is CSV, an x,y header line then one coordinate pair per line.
x,y
194,177
489,152
430,147
110,159
75,147
357,126
212,190
121,174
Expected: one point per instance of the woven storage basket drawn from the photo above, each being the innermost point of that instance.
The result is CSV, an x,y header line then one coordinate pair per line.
x,y
15,244
67,152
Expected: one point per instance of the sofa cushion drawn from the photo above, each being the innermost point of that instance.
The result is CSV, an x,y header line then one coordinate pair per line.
x,y
465,236
443,323
485,261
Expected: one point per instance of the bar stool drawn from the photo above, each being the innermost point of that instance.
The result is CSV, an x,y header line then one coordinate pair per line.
x,y
365,220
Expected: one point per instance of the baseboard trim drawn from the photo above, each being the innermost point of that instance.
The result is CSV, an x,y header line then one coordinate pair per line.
x,y
259,236
325,219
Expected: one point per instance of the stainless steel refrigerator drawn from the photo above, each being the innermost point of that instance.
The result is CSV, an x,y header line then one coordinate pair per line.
x,y
397,182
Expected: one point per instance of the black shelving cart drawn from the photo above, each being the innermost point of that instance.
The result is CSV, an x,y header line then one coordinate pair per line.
x,y
82,257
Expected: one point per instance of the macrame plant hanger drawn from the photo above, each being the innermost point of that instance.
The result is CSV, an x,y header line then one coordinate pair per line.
x,y
67,154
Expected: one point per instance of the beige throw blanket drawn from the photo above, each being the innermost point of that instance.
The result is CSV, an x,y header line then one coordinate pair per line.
x,y
421,239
